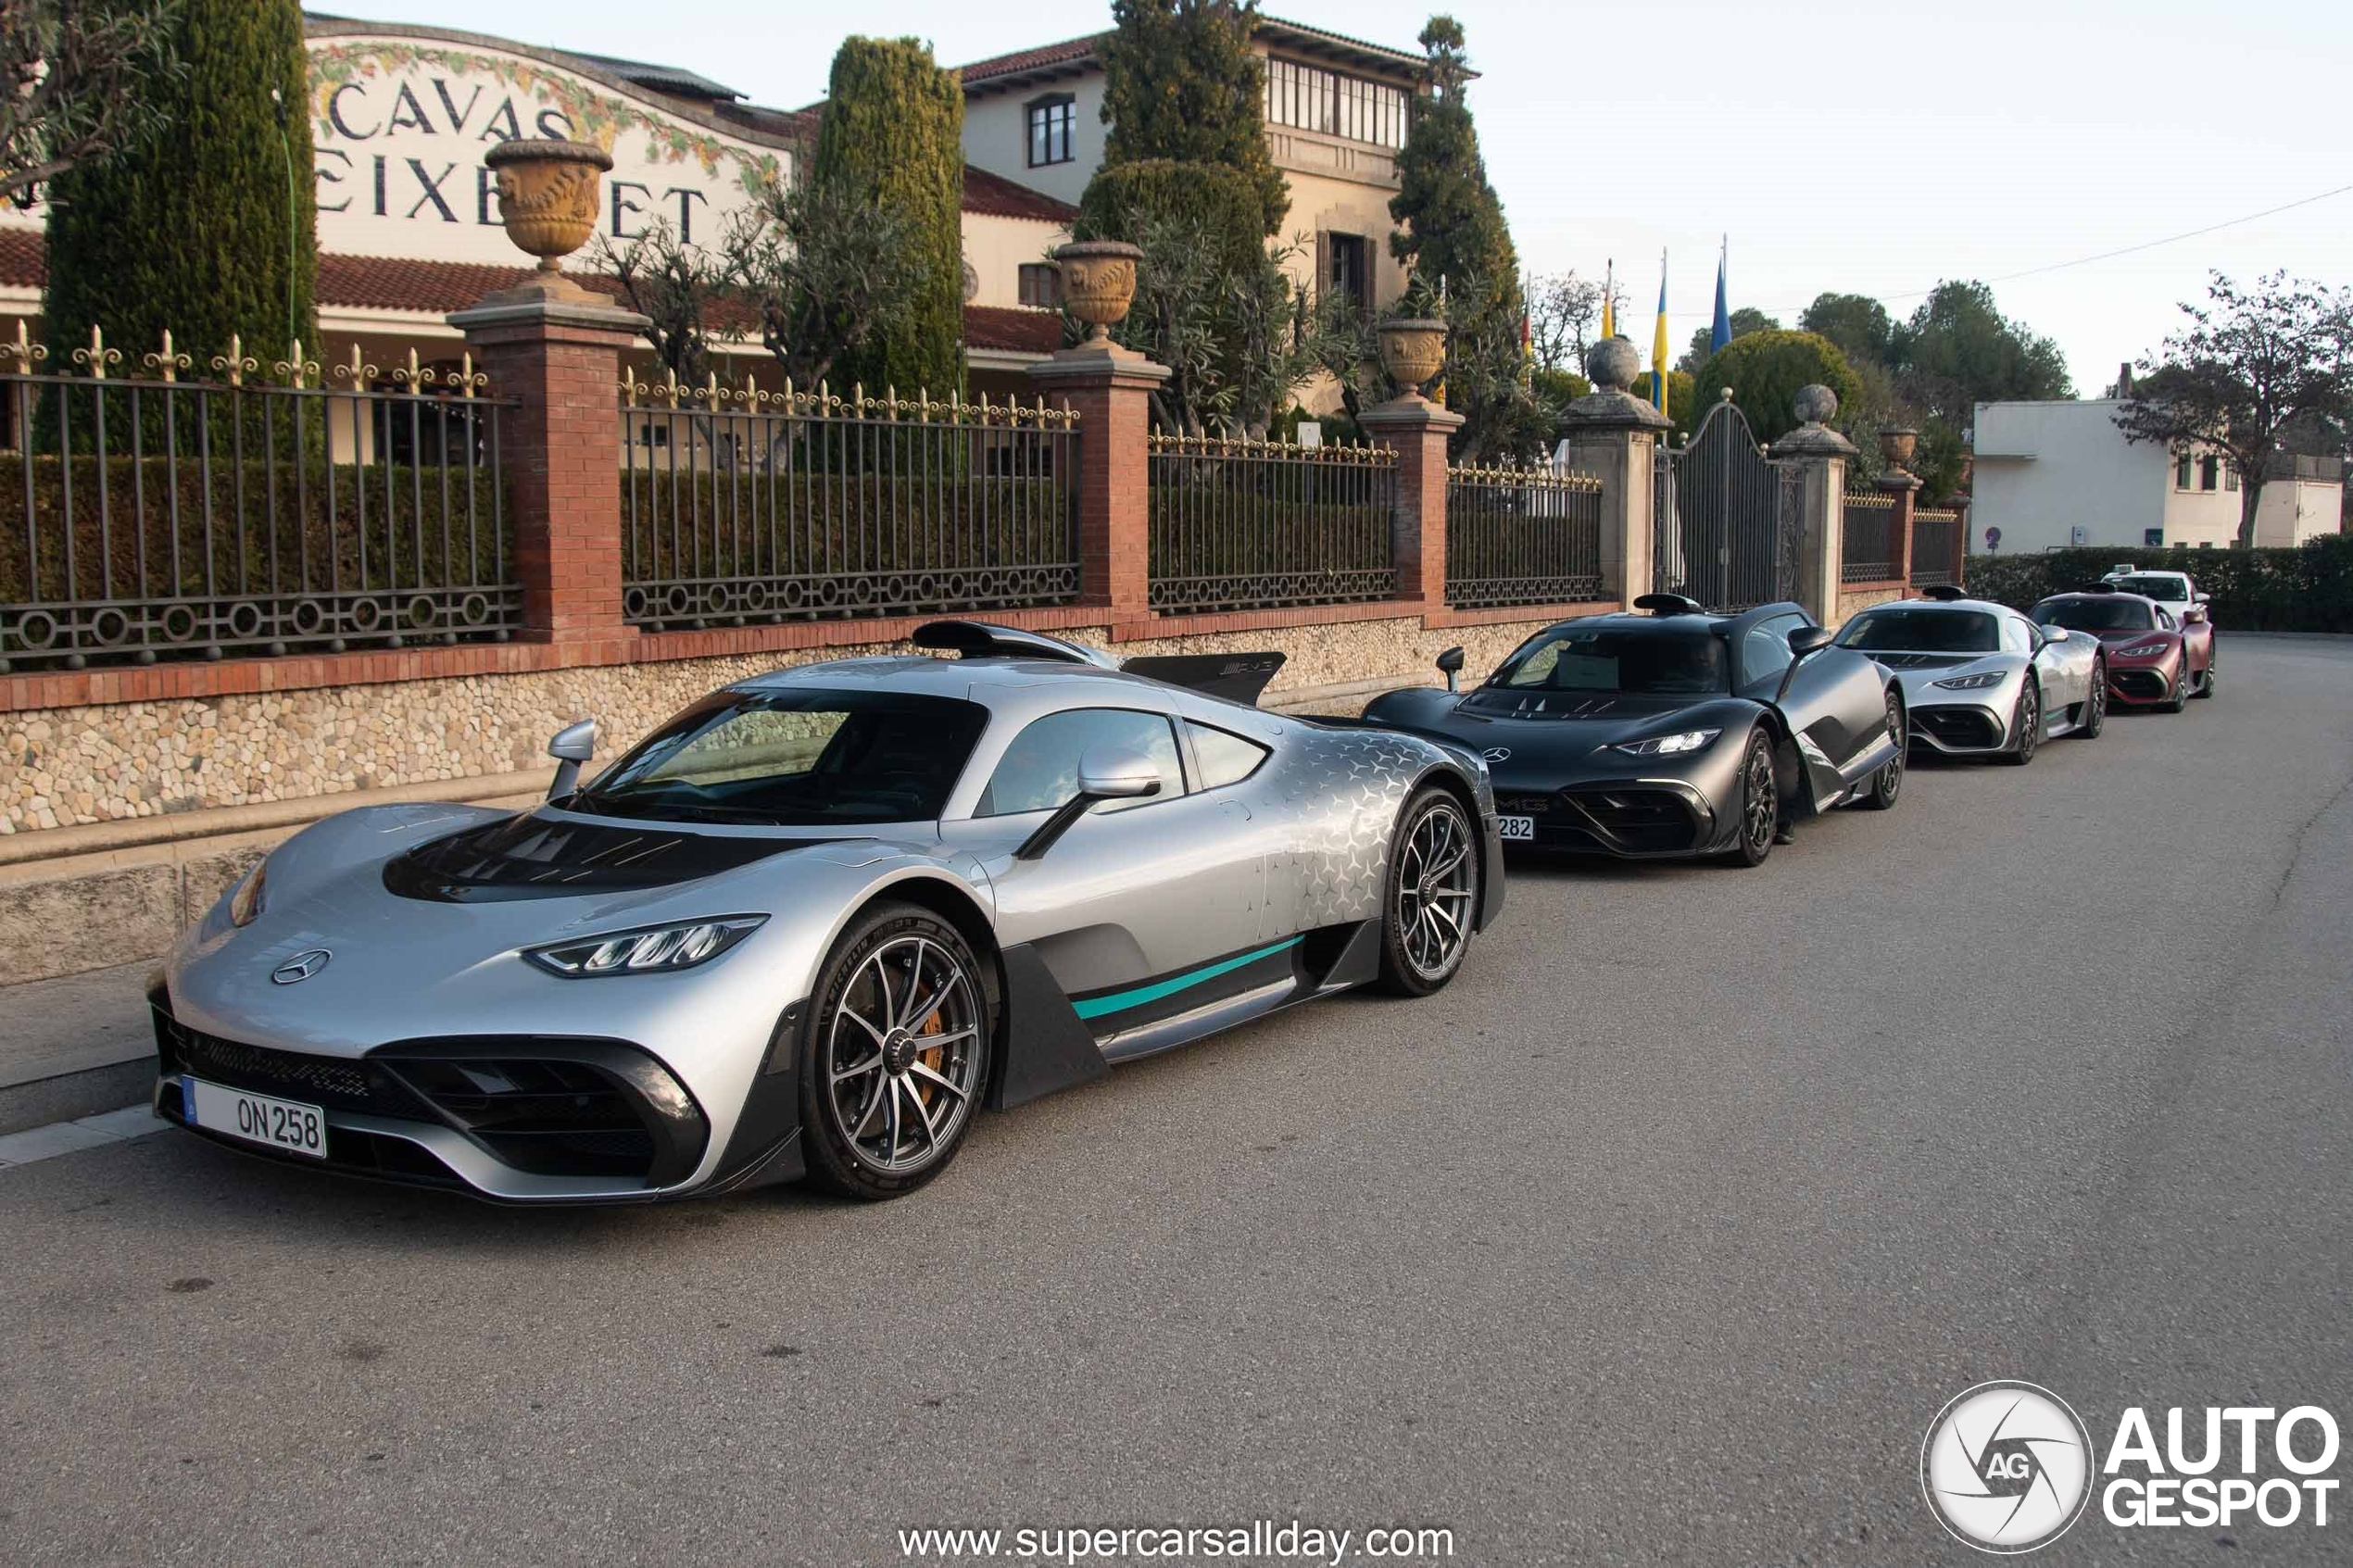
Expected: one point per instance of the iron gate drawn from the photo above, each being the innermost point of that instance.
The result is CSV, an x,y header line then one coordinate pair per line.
x,y
1728,528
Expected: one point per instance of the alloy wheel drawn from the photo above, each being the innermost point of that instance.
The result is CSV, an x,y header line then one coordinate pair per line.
x,y
1892,776
2030,721
1435,885
1760,808
903,1055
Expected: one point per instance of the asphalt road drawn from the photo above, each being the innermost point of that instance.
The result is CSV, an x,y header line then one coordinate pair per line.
x,y
1658,1237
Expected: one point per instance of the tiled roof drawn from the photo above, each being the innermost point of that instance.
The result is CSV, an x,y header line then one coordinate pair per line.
x,y
1001,197
435,288
1012,330
1021,60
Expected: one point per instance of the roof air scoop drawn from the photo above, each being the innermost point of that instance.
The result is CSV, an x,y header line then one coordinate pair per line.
x,y
1670,604
984,639
1945,593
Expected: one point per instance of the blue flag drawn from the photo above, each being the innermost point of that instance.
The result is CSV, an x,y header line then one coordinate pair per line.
x,y
1722,333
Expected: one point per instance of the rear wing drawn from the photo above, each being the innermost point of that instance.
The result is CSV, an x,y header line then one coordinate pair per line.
x,y
1237,677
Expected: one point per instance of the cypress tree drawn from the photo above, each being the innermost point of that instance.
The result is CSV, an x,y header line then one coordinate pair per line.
x,y
1181,83
893,132
1451,219
209,229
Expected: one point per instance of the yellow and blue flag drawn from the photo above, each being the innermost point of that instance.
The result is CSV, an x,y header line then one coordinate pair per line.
x,y
1721,335
1609,315
1658,342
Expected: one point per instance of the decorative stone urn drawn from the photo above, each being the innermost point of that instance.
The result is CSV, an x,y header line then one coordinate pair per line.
x,y
548,194
1413,349
1099,283
1612,363
1897,445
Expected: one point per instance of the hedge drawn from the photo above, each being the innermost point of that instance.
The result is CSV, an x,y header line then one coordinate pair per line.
x,y
2307,587
138,511
796,522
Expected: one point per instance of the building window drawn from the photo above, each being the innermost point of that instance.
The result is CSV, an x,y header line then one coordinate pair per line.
x,y
2210,472
1349,106
2152,537
2230,476
2182,472
1041,285
1052,121
1348,269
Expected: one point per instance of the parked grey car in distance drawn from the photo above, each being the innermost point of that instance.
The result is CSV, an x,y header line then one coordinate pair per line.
x,y
814,924
1980,679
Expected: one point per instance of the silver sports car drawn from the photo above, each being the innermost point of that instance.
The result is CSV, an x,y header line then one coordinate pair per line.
x,y
815,922
1980,679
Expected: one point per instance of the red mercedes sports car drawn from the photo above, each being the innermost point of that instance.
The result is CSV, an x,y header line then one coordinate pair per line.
x,y
2153,660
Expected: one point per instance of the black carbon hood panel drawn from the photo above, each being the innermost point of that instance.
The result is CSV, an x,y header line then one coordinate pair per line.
x,y
533,857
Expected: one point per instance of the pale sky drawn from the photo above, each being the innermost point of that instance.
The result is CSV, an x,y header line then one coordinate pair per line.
x,y
1869,147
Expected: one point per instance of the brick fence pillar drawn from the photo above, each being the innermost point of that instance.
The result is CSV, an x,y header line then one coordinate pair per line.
x,y
1111,388
1417,429
1905,489
1613,435
554,350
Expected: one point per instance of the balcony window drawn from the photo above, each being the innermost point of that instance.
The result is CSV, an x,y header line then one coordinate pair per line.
x,y
1352,108
1051,124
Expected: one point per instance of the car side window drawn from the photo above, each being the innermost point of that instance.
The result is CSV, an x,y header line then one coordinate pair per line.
x,y
2165,619
1224,759
1040,770
1765,653
2017,635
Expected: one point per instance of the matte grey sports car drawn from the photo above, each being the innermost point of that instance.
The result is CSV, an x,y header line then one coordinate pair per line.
x,y
1673,734
814,922
1980,679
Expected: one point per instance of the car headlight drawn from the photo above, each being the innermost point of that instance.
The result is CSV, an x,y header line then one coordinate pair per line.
x,y
1976,683
245,899
1667,746
2142,650
648,949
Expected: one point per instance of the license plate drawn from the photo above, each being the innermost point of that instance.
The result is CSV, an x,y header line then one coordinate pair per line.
x,y
1517,827
281,1123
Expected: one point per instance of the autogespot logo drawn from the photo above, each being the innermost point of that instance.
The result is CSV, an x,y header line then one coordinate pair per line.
x,y
2007,1467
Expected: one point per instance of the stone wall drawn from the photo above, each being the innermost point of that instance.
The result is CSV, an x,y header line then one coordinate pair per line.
x,y
1852,603
69,766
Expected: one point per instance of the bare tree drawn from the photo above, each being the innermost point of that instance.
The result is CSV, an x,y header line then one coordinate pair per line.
x,y
2253,365
674,286
1562,312
73,80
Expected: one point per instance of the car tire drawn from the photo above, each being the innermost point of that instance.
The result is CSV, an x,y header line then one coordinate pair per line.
x,y
1759,803
1888,783
880,1113
2179,697
2206,681
2026,724
2095,706
1431,894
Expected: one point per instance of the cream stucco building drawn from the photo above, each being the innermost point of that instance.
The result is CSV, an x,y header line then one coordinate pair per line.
x,y
2051,474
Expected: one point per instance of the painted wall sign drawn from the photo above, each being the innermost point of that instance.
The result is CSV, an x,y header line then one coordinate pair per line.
x,y
400,126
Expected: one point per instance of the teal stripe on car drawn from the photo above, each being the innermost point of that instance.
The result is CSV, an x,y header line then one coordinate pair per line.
x,y
1120,1001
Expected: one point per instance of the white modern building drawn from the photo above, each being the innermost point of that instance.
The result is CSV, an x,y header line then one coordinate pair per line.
x,y
2058,474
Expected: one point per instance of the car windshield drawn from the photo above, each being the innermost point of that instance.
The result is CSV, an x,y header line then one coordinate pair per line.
x,y
1921,629
2164,586
800,757
1598,659
2095,614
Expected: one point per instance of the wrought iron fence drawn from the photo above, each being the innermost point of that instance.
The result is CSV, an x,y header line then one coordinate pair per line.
x,y
167,517
1936,545
1868,552
1522,536
740,505
1261,525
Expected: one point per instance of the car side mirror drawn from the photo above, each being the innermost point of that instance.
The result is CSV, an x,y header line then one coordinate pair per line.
x,y
1810,639
1117,773
1450,663
573,744
2204,598
2194,615
1105,773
